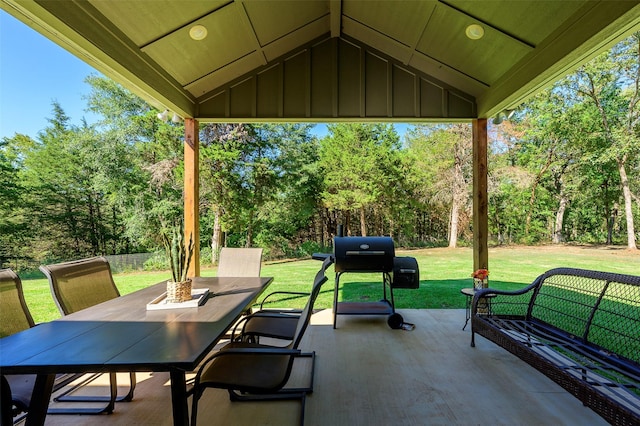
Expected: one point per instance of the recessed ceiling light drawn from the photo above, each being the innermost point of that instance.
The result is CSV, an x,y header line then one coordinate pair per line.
x,y
474,32
197,32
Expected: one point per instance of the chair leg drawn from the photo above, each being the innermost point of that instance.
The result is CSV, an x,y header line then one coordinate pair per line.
x,y
302,403
197,393
108,408
281,395
6,404
65,397
308,389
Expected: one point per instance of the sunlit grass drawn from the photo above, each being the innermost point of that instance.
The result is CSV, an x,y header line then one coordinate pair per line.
x,y
443,272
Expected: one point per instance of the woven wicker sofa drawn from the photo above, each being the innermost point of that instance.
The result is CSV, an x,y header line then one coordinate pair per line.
x,y
580,328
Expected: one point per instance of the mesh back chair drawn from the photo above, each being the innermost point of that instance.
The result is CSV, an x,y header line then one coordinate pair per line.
x,y
255,372
80,284
77,285
15,317
239,262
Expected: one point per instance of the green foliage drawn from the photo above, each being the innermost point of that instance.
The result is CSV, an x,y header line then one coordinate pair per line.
x,y
179,252
363,172
441,176
563,169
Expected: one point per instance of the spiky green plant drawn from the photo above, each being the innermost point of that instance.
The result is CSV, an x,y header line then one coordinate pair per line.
x,y
178,253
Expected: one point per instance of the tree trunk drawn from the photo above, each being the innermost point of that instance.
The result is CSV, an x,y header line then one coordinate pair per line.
x,y
631,233
611,220
453,224
557,232
249,241
215,238
363,222
347,222
459,194
532,198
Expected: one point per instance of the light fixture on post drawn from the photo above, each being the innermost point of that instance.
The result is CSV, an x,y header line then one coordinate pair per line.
x,y
176,118
164,115
503,115
474,32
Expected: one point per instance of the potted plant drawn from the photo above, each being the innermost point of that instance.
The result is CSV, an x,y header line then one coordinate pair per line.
x,y
179,253
480,278
480,281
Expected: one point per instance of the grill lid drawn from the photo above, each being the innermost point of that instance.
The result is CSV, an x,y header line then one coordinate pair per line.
x,y
363,254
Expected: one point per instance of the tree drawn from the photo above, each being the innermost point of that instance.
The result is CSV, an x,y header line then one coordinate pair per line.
x,y
12,223
611,84
354,160
549,149
138,162
443,165
288,215
221,150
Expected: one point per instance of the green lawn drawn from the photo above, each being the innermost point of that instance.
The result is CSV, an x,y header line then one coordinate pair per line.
x,y
443,272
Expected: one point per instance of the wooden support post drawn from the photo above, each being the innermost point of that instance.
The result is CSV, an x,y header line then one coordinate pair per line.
x,y
480,196
192,191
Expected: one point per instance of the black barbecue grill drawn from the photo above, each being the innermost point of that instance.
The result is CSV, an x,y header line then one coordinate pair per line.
x,y
363,254
375,255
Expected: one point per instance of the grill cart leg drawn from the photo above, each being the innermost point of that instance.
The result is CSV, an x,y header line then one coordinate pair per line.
x,y
335,299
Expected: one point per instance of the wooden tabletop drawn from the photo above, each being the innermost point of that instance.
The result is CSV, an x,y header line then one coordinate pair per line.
x,y
122,335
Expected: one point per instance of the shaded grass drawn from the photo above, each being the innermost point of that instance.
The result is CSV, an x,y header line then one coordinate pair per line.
x,y
443,272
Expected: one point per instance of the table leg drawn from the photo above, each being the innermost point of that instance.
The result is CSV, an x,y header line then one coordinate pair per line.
x,y
40,399
467,311
6,419
179,398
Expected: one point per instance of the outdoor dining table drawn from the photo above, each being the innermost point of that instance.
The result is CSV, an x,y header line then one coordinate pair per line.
x,y
121,335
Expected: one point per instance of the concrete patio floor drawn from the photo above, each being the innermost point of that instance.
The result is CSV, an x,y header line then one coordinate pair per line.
x,y
368,374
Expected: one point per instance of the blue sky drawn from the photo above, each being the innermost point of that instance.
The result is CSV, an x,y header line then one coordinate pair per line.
x,y
35,72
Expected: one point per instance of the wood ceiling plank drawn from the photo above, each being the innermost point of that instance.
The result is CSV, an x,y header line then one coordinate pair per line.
x,y
144,24
527,45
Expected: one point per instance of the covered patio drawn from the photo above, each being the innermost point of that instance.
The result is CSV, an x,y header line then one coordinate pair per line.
x,y
368,374
349,60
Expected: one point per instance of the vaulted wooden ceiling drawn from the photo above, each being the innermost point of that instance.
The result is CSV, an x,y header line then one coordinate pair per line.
x,y
331,60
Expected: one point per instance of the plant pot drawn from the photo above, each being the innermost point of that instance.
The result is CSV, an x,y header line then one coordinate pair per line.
x,y
178,292
480,284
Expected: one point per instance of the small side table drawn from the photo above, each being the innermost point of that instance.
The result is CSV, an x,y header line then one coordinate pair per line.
x,y
469,293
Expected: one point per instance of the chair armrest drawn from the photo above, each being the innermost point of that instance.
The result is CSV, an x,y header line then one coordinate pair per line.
x,y
235,336
494,292
297,293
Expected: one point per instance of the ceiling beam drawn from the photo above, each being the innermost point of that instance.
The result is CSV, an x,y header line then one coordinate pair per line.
x,y
335,10
244,16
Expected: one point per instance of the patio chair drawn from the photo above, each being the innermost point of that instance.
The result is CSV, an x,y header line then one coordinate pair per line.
x,y
78,285
255,372
15,317
239,262
275,323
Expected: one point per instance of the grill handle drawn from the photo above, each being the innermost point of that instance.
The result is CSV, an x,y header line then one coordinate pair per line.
x,y
365,253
